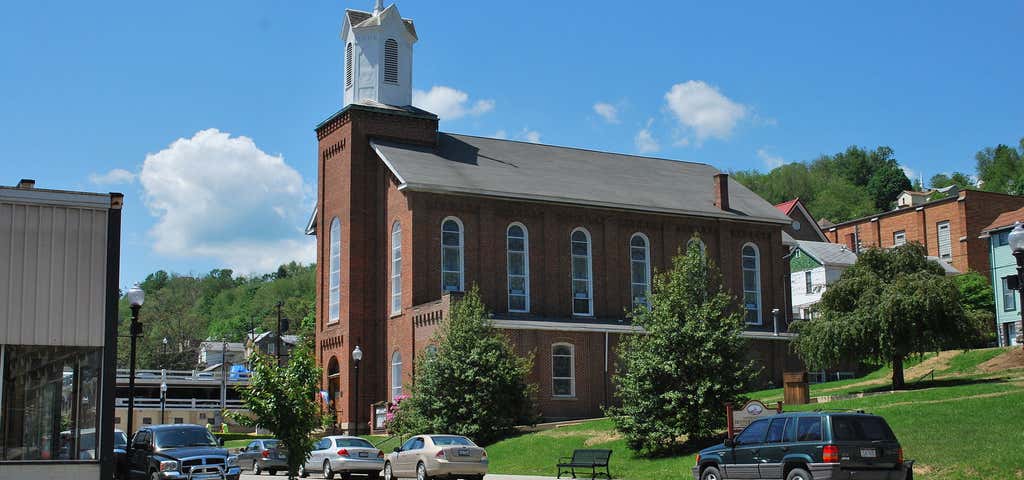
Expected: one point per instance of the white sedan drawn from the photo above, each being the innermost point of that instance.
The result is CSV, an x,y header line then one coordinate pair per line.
x,y
343,455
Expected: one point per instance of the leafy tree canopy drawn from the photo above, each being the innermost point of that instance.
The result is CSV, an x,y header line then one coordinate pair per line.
x,y
958,179
474,384
1001,169
888,305
675,380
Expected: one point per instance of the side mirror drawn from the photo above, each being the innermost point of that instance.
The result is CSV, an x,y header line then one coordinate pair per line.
x,y
729,443
397,449
243,449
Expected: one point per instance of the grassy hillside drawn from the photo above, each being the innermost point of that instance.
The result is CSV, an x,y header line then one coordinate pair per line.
x,y
963,424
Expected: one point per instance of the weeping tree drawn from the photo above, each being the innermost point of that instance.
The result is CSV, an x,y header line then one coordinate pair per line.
x,y
282,398
890,304
675,378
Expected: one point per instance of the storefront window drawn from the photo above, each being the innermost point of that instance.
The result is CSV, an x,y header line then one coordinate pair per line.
x,y
50,402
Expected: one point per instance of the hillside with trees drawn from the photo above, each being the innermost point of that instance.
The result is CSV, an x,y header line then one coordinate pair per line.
x,y
188,309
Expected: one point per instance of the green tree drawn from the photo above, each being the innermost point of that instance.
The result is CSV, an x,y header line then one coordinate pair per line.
x,y
675,379
886,183
888,305
474,384
283,400
958,179
978,300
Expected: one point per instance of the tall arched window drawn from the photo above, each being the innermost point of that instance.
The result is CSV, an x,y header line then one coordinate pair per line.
x,y
639,268
451,255
752,283
334,283
396,374
396,268
333,382
517,247
582,278
348,65
390,61
563,370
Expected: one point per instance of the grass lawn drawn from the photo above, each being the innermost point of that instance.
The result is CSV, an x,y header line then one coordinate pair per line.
x,y
236,443
965,424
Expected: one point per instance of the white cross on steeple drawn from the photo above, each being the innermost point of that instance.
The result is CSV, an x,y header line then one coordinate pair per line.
x,y
378,6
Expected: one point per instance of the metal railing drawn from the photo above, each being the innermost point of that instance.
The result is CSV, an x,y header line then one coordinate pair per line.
x,y
182,403
182,376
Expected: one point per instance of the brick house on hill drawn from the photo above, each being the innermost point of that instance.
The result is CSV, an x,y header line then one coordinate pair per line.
x,y
561,241
802,225
949,228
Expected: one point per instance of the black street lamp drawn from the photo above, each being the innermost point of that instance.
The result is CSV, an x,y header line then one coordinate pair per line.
x,y
1016,241
135,299
163,354
357,356
163,401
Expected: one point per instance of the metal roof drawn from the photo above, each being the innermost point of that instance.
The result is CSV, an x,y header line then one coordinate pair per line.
x,y
828,254
463,164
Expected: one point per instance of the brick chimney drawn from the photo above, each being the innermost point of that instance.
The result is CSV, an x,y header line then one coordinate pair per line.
x,y
722,190
27,183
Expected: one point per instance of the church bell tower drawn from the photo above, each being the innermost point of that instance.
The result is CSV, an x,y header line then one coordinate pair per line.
x,y
378,56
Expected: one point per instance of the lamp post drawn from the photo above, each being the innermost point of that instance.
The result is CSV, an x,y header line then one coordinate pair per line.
x,y
357,356
163,354
163,401
135,299
1016,241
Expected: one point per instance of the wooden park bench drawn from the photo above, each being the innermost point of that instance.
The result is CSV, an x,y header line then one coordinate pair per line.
x,y
583,459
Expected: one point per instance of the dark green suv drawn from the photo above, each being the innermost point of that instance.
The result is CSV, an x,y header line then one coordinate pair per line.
x,y
808,446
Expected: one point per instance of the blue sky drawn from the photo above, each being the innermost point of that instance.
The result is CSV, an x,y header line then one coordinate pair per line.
x,y
214,103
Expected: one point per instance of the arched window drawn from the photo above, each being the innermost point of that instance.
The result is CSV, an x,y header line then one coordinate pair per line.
x,y
348,65
563,370
518,253
396,268
451,255
333,382
335,272
390,61
582,278
639,268
699,243
752,283
396,374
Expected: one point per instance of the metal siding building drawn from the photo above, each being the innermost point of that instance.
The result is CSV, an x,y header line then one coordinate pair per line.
x,y
59,258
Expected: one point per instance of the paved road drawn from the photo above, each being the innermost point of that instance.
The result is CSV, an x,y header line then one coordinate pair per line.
x,y
249,476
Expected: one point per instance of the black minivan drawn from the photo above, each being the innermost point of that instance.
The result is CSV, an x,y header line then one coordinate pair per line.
x,y
808,446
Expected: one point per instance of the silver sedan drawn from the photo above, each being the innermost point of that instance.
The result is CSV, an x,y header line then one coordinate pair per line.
x,y
344,455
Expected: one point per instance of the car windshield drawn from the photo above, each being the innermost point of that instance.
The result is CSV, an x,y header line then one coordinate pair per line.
x,y
452,440
354,443
120,440
861,429
184,437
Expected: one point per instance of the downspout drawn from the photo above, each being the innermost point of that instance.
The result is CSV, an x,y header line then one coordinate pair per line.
x,y
606,368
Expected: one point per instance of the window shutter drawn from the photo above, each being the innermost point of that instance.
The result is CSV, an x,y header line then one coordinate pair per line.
x,y
348,65
391,61
945,247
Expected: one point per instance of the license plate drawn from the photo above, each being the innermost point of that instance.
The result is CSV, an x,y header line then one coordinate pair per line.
x,y
362,454
463,452
868,453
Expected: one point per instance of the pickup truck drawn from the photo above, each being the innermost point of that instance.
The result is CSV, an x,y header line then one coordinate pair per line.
x,y
179,452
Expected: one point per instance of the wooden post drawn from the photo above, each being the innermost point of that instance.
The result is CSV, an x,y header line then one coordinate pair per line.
x,y
778,407
728,419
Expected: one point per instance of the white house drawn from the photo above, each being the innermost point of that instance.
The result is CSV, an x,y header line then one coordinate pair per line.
x,y
813,266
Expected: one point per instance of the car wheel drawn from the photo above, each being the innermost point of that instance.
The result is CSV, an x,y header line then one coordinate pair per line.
x,y
256,470
388,474
272,472
798,474
154,475
421,472
302,471
328,473
711,473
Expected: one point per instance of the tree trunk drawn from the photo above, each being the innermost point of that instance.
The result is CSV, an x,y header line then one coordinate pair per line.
x,y
897,372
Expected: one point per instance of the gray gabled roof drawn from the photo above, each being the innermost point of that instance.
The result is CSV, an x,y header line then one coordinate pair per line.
x,y
463,164
355,17
828,254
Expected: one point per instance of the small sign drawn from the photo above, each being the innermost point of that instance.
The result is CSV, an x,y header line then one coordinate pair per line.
x,y
739,418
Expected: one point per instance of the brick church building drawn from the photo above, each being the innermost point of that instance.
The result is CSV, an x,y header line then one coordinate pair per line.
x,y
561,241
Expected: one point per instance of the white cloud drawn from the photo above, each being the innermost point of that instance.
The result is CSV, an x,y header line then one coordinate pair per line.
x,y
449,103
909,172
644,140
607,111
221,197
704,110
114,177
771,161
500,134
531,136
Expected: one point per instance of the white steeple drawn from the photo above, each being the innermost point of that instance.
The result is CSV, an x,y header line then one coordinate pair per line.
x,y
378,56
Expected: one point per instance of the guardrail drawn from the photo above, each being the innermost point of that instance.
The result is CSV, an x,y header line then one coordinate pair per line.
x,y
181,403
182,376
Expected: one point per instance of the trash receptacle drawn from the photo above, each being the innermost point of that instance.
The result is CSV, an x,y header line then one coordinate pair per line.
x,y
795,389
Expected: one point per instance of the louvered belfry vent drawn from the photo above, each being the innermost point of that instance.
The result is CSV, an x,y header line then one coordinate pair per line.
x,y
348,65
391,61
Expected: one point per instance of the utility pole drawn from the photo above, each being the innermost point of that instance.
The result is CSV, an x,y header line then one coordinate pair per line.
x,y
277,339
223,375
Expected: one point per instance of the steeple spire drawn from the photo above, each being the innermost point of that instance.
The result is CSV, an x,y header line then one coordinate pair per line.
x,y
378,6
